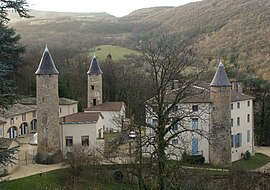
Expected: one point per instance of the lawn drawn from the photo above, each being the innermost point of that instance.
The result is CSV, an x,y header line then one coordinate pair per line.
x,y
254,162
59,179
117,52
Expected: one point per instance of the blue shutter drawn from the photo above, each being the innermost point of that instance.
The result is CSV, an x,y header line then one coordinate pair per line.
x,y
194,146
194,122
248,135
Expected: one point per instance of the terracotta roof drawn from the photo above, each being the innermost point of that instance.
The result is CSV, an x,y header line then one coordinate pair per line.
x,y
81,117
5,143
16,109
33,101
94,68
107,106
220,78
46,65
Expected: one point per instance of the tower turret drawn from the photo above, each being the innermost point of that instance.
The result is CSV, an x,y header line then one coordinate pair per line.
x,y
94,94
220,128
47,111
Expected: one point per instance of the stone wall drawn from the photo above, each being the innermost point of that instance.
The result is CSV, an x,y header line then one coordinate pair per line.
x,y
96,81
220,128
48,119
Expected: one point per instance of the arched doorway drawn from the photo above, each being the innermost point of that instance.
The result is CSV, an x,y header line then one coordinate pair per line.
x,y
23,129
12,132
33,125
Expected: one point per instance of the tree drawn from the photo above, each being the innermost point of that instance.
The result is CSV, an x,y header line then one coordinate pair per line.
x,y
10,50
168,62
19,6
9,58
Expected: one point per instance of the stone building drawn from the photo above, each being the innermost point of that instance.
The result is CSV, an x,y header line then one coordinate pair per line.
x,y
220,124
114,113
48,110
94,93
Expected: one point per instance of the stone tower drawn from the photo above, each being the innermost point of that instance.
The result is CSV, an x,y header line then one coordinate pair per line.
x,y
94,92
220,128
47,111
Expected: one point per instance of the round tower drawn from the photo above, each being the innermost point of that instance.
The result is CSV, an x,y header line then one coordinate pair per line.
x,y
94,92
220,127
47,111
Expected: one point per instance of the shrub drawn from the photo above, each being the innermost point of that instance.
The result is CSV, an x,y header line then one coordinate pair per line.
x,y
247,155
195,159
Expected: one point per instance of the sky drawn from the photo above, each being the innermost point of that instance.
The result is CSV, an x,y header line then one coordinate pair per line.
x,y
115,7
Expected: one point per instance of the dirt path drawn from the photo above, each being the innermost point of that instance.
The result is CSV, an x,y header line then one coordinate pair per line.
x,y
32,169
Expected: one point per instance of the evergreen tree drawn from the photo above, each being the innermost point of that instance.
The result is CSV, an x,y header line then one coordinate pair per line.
x,y
10,51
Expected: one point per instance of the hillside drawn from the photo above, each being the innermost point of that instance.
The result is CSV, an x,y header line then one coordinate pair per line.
x,y
238,31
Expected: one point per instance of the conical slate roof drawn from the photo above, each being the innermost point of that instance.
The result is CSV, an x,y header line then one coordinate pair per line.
x,y
94,68
220,78
46,65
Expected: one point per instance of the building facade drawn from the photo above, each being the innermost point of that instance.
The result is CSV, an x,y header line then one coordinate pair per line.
x,y
82,129
218,120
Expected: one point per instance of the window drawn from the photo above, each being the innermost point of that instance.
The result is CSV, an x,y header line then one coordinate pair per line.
x,y
73,110
24,116
85,140
34,114
238,121
232,122
248,136
232,141
238,140
195,108
231,106
175,127
92,87
248,118
238,105
175,108
60,110
69,141
11,121
99,133
174,141
94,102
154,122
195,147
248,103
194,122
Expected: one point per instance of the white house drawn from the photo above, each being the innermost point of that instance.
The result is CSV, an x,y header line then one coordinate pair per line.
x,y
82,129
113,114
198,110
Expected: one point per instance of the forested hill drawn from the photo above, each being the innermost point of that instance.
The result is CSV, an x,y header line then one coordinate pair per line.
x,y
237,30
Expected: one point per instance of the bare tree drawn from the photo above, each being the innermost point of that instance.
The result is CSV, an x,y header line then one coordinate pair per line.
x,y
169,64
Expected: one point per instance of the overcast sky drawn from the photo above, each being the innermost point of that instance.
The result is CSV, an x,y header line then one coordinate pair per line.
x,y
115,7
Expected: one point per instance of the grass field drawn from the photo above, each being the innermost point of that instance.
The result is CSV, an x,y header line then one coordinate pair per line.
x,y
102,179
58,179
254,162
117,52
